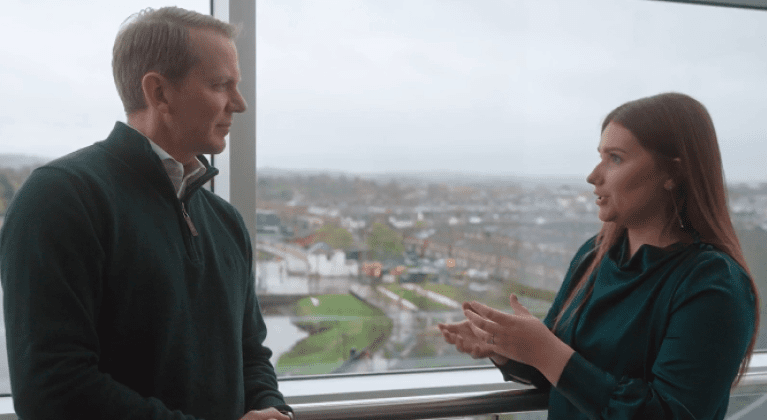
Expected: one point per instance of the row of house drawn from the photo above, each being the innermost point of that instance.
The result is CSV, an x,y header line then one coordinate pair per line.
x,y
527,262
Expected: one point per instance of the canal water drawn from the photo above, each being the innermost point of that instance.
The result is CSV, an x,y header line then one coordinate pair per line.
x,y
281,335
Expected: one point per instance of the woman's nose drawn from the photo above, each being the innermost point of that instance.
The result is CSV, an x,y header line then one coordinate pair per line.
x,y
594,176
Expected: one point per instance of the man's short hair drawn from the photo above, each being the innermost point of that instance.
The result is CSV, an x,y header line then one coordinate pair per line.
x,y
159,41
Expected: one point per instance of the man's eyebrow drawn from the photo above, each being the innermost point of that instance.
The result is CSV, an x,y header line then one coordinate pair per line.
x,y
225,78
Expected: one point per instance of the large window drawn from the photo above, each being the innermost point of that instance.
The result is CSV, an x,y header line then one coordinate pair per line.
x,y
412,154
462,134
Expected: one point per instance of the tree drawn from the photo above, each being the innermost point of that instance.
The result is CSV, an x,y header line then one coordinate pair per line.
x,y
335,236
384,243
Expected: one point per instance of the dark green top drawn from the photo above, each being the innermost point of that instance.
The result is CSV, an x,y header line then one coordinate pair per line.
x,y
661,337
114,309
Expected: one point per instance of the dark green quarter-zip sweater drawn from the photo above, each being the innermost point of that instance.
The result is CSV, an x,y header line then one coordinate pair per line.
x,y
115,308
661,336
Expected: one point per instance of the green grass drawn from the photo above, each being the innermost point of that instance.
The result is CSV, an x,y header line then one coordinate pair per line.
x,y
342,322
423,303
458,294
538,306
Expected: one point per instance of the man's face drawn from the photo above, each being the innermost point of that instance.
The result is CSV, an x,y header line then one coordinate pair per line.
x,y
203,103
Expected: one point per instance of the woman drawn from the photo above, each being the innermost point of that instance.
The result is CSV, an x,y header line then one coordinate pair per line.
x,y
658,313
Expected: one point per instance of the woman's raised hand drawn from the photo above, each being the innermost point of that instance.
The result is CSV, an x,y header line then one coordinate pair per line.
x,y
461,334
519,336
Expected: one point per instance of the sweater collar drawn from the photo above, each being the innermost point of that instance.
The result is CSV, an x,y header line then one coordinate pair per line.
x,y
134,150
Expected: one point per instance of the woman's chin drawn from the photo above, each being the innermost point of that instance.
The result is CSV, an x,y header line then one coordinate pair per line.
x,y
606,216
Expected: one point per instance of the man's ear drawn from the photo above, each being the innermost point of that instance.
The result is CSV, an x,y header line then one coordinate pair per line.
x,y
156,91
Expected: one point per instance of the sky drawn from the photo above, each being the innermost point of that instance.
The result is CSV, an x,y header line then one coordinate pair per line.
x,y
495,87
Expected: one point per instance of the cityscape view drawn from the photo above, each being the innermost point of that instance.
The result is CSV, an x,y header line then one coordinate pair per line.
x,y
414,247
410,155
355,272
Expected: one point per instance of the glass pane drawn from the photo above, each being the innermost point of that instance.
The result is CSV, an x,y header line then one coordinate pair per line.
x,y
747,407
466,129
412,155
58,91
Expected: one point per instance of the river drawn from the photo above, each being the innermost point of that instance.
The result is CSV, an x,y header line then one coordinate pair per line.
x,y
281,335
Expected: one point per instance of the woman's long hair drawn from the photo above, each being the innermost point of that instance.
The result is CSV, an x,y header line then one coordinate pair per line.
x,y
671,126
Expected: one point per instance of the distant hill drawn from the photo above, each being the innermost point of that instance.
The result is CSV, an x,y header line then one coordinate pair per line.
x,y
15,161
451,177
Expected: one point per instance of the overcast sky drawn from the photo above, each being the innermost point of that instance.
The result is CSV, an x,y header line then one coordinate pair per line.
x,y
500,87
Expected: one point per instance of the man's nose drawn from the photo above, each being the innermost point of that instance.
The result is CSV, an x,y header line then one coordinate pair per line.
x,y
238,103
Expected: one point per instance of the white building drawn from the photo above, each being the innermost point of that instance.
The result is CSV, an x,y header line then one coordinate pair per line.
x,y
327,262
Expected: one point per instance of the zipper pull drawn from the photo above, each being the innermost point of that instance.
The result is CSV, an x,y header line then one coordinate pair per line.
x,y
188,220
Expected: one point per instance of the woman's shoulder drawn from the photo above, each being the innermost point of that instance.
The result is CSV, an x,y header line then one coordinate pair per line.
x,y
707,269
705,258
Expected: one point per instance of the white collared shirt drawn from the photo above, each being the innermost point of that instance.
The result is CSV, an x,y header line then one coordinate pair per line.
x,y
175,169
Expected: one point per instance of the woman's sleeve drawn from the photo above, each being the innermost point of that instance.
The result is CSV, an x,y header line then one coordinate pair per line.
x,y
711,324
514,371
525,374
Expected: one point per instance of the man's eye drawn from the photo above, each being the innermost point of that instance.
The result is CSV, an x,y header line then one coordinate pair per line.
x,y
616,158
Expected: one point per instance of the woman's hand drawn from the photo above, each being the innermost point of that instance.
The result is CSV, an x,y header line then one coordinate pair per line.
x,y
465,338
519,336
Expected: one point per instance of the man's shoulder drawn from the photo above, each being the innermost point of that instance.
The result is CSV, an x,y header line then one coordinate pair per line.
x,y
80,159
122,146
220,206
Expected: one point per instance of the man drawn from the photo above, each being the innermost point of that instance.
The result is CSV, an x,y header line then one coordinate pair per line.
x,y
128,289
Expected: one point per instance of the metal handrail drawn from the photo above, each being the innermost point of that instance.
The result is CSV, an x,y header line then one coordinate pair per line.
x,y
472,403
429,407
456,404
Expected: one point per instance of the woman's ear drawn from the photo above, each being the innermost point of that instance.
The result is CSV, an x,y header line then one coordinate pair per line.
x,y
674,172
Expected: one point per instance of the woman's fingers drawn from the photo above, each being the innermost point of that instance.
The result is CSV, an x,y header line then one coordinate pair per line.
x,y
518,308
477,321
449,332
488,333
446,327
479,333
473,348
477,307
489,320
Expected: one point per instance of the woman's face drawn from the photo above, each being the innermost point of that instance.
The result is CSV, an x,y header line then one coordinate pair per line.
x,y
628,182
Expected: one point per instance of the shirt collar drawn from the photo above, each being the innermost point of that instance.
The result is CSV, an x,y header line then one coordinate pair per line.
x,y
175,169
